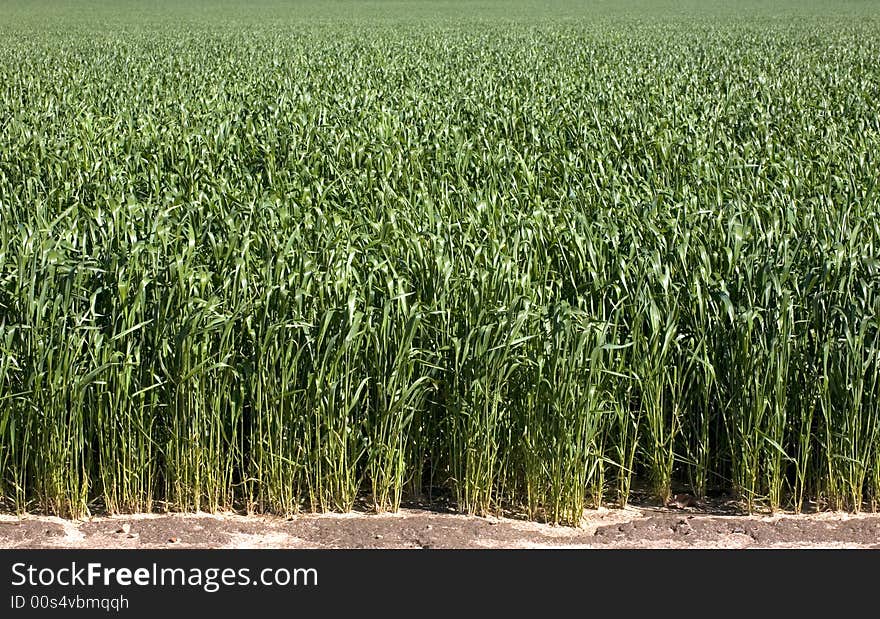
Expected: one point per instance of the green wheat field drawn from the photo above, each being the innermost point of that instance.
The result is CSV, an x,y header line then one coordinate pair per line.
x,y
526,255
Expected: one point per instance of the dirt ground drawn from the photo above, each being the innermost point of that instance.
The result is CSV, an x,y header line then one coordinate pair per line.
x,y
632,527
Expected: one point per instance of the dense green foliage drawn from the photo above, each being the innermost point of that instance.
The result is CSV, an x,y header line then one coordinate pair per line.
x,y
287,257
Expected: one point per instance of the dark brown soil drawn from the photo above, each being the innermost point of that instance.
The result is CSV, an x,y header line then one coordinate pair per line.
x,y
615,528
